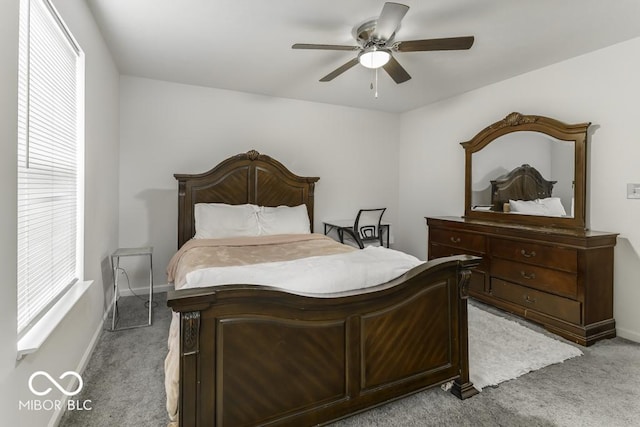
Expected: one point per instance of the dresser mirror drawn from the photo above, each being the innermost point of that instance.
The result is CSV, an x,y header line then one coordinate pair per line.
x,y
527,169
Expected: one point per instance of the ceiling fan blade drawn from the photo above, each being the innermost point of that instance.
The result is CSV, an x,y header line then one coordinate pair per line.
x,y
389,20
396,71
335,73
324,46
452,43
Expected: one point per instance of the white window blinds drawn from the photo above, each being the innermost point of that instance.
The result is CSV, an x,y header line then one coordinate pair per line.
x,y
50,159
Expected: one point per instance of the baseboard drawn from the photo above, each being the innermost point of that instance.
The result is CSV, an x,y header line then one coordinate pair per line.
x,y
82,365
126,292
628,335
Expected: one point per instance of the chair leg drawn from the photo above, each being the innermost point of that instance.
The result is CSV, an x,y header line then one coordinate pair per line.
x,y
355,237
358,240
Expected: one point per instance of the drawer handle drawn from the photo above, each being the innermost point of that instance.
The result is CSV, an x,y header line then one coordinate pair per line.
x,y
455,239
530,300
529,276
528,254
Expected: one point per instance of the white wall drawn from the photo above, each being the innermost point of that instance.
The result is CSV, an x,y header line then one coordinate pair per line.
x,y
168,128
601,87
67,348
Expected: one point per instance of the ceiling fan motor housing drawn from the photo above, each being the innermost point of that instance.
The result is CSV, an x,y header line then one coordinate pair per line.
x,y
363,34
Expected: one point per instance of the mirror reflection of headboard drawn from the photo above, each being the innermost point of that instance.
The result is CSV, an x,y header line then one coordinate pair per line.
x,y
522,183
556,150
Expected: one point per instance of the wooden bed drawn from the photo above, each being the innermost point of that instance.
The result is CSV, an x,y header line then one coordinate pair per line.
x,y
254,355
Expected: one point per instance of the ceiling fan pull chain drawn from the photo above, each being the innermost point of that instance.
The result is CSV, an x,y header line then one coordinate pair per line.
x,y
373,76
376,93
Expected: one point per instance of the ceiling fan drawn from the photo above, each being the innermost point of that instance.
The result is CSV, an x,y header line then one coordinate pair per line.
x,y
376,44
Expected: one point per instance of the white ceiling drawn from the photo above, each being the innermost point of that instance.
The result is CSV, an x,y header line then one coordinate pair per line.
x,y
245,45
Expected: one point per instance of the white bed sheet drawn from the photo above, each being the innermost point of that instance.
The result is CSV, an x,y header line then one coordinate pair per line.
x,y
313,275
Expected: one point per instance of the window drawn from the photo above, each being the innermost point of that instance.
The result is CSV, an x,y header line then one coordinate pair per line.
x,y
50,161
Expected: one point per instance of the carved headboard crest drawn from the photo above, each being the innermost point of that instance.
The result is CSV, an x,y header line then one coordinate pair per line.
x,y
252,155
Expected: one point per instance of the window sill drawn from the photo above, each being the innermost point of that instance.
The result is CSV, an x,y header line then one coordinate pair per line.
x,y
39,332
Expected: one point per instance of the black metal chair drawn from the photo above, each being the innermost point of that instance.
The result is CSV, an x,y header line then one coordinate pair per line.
x,y
366,227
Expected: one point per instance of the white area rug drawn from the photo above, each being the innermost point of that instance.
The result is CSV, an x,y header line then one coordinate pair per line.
x,y
501,349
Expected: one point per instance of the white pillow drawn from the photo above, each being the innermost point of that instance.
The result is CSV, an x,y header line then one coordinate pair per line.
x,y
554,205
218,220
551,206
284,220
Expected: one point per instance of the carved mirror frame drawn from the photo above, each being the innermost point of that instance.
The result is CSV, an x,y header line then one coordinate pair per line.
x,y
516,122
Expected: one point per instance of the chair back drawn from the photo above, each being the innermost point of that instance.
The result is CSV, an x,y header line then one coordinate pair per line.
x,y
367,225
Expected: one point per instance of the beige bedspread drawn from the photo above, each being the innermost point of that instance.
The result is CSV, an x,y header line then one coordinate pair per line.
x,y
203,253
196,254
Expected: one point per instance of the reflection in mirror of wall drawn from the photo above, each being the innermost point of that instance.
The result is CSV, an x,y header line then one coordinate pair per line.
x,y
551,157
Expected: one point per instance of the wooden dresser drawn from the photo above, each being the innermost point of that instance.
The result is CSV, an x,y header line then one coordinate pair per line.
x,y
560,278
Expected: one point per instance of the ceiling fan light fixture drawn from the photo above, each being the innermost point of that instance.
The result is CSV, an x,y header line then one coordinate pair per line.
x,y
375,40
374,57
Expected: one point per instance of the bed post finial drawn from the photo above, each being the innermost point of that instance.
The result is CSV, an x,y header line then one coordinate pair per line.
x,y
252,155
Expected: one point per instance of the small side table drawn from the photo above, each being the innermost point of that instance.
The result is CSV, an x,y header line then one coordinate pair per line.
x,y
115,265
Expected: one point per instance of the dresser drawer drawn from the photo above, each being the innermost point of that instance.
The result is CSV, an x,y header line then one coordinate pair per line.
x,y
478,273
544,279
437,250
458,239
531,253
561,308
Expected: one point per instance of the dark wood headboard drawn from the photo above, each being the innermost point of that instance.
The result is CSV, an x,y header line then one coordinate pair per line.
x,y
250,177
522,183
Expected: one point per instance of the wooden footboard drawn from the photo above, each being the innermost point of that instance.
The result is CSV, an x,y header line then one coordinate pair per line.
x,y
252,355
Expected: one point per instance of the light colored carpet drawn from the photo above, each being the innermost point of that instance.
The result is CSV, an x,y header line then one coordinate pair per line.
x,y
501,349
